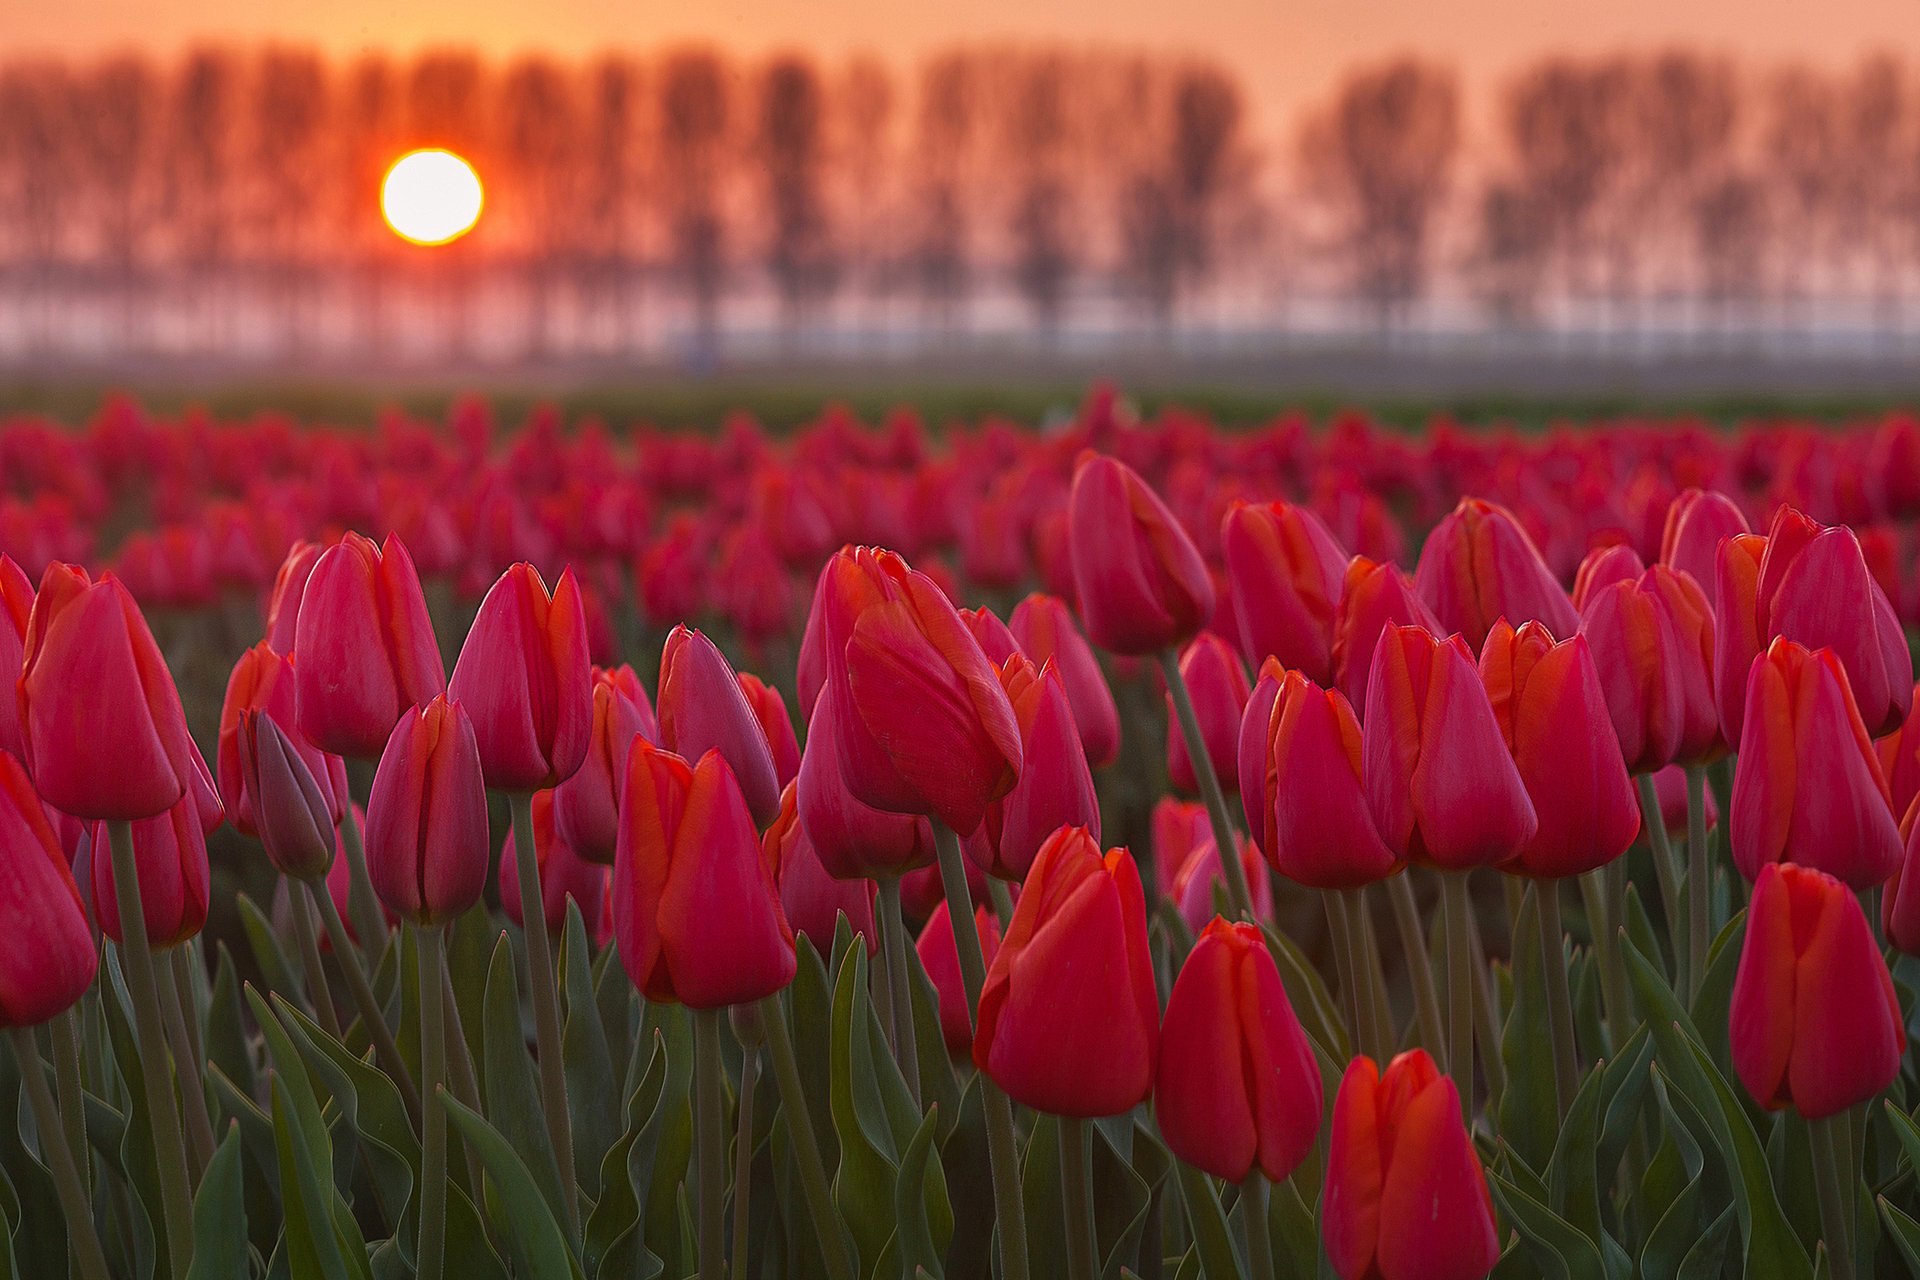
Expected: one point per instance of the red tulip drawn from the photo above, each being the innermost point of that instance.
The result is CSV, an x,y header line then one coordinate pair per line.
x,y
1179,827
1697,521
105,733
1376,596
770,711
428,847
704,707
1808,786
1440,783
1055,787
365,645
1237,1086
814,900
1900,762
1736,640
1045,631
1406,1197
853,840
695,909
1287,574
1194,886
295,814
1217,684
940,957
1814,1024
1478,565
586,806
1670,788
1300,782
1603,567
991,634
1142,584
564,874
1547,700
16,604
263,680
289,588
49,960
170,859
525,681
1068,1018
1653,647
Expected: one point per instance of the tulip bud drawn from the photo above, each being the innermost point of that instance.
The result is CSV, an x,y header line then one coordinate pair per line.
x,y
1814,1023
1900,762
1237,1086
365,645
293,813
16,604
1179,827
940,957
264,681
991,634
1440,783
1406,1197
1044,629
1218,685
1055,787
854,841
1196,884
49,960
564,873
1547,700
770,711
428,845
1141,582
695,909
1653,645
586,806
1603,567
704,707
1697,521
1377,596
525,681
1287,573
814,900
289,588
1478,565
1808,787
105,733
170,859
1300,783
1069,1019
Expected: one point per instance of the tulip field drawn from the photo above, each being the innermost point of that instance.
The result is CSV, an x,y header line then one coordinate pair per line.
x,y
1118,847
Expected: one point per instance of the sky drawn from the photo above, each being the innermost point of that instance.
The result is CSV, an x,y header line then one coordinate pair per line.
x,y
1288,51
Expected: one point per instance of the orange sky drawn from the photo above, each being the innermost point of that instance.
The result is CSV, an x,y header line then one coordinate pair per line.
x,y
1286,49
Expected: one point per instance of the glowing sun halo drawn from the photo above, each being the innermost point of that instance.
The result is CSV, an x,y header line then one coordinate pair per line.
x,y
431,196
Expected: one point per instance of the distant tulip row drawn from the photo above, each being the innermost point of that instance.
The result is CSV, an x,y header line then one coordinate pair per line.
x,y
1073,1068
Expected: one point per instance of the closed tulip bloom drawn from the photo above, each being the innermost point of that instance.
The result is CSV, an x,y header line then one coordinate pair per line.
x,y
1900,762
1179,827
1814,1024
1377,595
586,807
16,604
1653,646
170,858
49,960
1286,573
428,846
1055,787
263,680
991,634
104,731
1808,786
704,707
294,813
770,711
940,957
853,839
564,874
1547,700
1478,565
1440,783
1141,582
1237,1087
289,588
1697,521
1045,631
849,581
1300,783
814,900
1069,1020
525,681
1198,883
365,645
1218,685
1603,567
695,909
1406,1197
1736,622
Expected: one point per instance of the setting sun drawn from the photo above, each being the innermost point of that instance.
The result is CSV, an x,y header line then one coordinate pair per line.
x,y
431,197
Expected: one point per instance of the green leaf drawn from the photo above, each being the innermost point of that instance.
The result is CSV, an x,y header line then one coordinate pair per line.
x,y
1213,1242
863,1185
321,1240
1556,1245
592,1094
919,1242
1904,1231
1708,1257
938,1086
511,1089
220,1216
39,1228
226,1024
613,1239
1529,1108
1319,1013
301,1093
533,1234
275,969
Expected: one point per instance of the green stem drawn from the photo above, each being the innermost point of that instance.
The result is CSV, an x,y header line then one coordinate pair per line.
x,y
743,1155
462,1082
1460,983
806,1146
372,1016
169,1150
1699,883
1009,1208
75,1206
319,993
1553,955
1662,850
1076,1179
71,1088
1606,951
1224,839
1830,1178
1413,941
430,1250
369,922
709,1113
1486,1014
1340,925
1253,1202
1366,947
546,1007
193,1087
893,928
185,960
1002,898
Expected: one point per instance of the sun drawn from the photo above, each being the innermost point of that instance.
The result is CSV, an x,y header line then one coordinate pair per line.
x,y
431,196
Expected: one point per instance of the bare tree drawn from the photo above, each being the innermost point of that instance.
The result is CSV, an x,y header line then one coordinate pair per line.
x,y
612,144
693,136
288,112
203,186
946,127
539,136
792,155
117,128
1566,129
